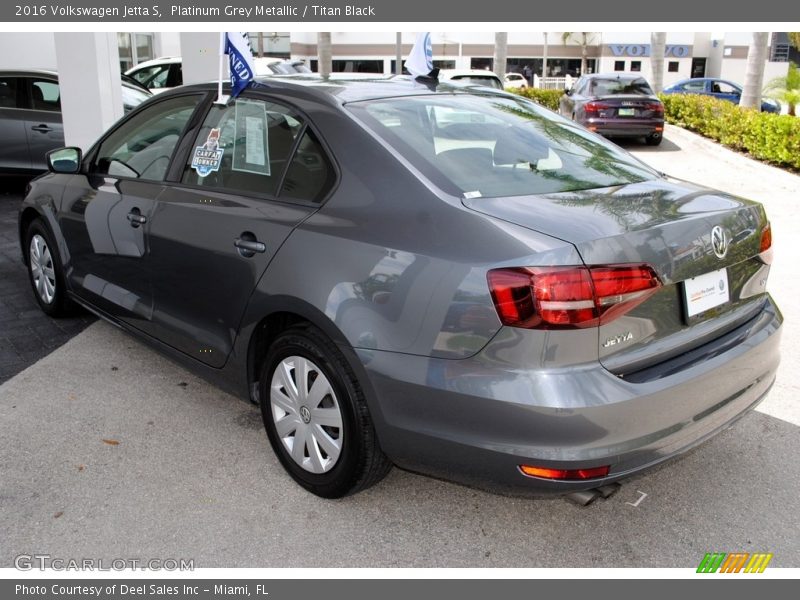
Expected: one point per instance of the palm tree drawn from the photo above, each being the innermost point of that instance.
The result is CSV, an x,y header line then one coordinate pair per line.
x,y
754,73
325,53
584,38
786,89
658,42
500,54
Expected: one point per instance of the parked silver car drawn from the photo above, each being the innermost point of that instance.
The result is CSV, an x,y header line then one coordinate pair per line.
x,y
30,117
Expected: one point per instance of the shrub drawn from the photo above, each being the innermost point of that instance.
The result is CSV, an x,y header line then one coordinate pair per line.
x,y
547,98
766,136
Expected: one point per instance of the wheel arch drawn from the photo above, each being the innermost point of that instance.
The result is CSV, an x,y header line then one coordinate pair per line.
x,y
282,313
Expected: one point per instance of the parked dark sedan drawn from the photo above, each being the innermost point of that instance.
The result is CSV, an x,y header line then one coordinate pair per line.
x,y
448,278
30,117
718,88
615,105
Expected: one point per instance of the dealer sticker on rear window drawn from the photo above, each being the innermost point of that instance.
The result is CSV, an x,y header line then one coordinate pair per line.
x,y
208,157
706,291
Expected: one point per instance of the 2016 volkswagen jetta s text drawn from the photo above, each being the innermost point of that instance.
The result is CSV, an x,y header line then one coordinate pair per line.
x,y
444,277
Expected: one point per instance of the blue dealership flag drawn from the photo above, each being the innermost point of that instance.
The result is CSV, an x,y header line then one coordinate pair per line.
x,y
237,46
420,60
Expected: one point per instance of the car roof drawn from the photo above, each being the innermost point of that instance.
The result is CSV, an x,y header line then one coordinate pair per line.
x,y
24,72
614,76
342,88
448,73
164,60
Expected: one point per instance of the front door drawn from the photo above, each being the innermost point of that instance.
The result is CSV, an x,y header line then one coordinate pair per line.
x,y
105,213
42,119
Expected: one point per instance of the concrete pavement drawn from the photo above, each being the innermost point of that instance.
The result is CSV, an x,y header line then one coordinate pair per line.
x,y
108,450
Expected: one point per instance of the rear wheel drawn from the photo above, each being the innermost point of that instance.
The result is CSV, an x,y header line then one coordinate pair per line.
x,y
316,416
653,139
45,271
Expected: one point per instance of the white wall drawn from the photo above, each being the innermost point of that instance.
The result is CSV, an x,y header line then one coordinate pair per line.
x,y
734,70
27,51
167,43
200,54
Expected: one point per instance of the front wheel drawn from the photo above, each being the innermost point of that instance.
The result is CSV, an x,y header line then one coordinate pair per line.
x,y
316,416
45,271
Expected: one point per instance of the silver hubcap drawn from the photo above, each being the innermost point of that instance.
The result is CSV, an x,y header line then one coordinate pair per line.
x,y
306,414
42,271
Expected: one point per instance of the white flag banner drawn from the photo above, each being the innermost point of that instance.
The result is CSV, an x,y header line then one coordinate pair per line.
x,y
237,46
420,61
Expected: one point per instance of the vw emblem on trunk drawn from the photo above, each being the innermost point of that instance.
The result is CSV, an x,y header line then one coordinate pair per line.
x,y
719,241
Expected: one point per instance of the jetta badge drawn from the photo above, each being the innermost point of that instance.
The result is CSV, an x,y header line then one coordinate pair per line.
x,y
719,241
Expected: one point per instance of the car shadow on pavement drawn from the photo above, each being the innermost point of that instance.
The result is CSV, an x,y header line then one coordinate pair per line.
x,y
639,145
26,333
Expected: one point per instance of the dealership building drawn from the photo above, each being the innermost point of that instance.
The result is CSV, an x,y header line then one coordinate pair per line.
x,y
698,54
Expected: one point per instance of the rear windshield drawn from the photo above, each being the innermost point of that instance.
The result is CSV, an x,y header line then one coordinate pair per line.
x,y
490,146
487,80
613,86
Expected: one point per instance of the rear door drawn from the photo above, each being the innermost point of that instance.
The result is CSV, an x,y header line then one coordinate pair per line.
x,y
14,154
42,118
231,205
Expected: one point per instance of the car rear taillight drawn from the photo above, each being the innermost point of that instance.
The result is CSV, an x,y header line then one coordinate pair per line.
x,y
594,107
569,297
765,248
656,107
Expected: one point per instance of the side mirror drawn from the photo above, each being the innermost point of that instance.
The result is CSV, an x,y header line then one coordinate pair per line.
x,y
64,160
568,91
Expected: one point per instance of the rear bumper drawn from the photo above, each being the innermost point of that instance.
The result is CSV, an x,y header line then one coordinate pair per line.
x,y
475,421
626,128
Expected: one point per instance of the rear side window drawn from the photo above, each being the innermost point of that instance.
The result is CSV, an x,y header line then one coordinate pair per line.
x,y
142,147
8,92
253,147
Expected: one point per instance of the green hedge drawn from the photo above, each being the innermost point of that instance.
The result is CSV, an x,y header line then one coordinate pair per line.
x,y
547,98
769,137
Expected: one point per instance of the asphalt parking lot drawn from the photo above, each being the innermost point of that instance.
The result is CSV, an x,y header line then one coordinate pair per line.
x,y
108,450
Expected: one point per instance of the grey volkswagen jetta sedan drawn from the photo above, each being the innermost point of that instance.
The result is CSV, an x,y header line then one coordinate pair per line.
x,y
447,278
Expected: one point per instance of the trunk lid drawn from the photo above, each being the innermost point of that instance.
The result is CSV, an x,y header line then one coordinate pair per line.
x,y
667,224
627,106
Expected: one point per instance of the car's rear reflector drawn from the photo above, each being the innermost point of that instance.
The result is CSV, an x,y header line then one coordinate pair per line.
x,y
569,297
574,474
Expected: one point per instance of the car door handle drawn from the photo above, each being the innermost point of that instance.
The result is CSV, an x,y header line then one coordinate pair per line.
x,y
248,248
136,218
42,128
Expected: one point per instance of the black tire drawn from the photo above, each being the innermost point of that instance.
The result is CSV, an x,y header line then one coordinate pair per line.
x,y
361,462
59,305
653,139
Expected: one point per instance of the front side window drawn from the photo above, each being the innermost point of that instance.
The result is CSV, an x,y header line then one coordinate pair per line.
x,y
142,147
45,95
154,77
479,146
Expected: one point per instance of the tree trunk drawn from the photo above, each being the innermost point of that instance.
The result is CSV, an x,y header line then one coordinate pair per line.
x,y
500,54
324,53
754,74
658,42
